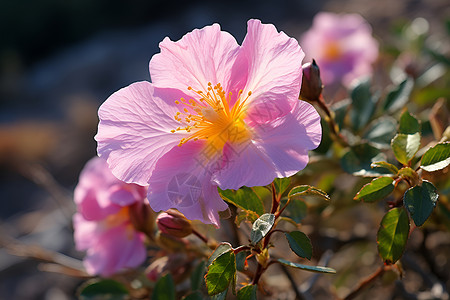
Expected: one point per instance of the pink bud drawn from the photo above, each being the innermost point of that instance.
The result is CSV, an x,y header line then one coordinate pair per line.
x,y
174,223
311,82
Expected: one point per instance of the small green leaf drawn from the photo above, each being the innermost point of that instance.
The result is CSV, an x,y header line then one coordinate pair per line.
x,y
377,189
281,184
194,296
405,146
221,249
220,273
244,198
261,227
408,124
247,292
381,131
420,201
220,296
358,160
197,275
164,289
436,158
385,165
393,235
296,210
307,190
106,289
316,269
408,174
399,95
299,243
363,104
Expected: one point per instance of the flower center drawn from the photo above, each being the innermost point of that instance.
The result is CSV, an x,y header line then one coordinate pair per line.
x,y
333,51
210,117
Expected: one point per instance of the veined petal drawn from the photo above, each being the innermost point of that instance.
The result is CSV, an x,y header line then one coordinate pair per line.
x,y
182,180
273,63
135,130
279,149
201,56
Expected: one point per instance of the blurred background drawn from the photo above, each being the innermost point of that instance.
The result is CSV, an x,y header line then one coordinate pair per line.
x,y
59,60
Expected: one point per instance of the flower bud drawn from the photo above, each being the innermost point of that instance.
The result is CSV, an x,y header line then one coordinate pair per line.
x,y
311,82
142,217
174,223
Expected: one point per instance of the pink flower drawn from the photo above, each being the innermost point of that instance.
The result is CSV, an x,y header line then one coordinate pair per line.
x,y
216,115
102,225
342,45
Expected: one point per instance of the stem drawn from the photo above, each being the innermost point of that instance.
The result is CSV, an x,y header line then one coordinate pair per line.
x,y
241,248
334,128
297,292
366,281
200,236
275,200
258,273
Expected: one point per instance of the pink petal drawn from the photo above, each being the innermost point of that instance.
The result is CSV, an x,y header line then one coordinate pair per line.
x,y
273,62
134,130
182,180
201,56
278,149
84,232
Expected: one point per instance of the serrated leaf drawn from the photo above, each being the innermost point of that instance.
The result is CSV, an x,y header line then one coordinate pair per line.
x,y
261,227
381,131
281,184
105,289
436,158
358,160
247,292
393,235
316,269
385,165
244,198
377,189
197,275
164,289
405,146
307,190
408,124
363,104
220,249
420,201
399,95
220,273
299,243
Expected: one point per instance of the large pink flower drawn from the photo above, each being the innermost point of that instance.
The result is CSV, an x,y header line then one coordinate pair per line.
x,y
342,45
102,225
215,115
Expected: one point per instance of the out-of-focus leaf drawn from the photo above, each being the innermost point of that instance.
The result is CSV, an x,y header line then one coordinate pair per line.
x,y
408,124
381,131
240,260
244,198
405,146
164,289
194,296
385,165
436,158
296,210
220,296
281,184
221,249
247,292
420,201
377,189
393,235
316,269
197,275
221,272
340,110
398,96
299,243
358,160
105,289
261,227
363,104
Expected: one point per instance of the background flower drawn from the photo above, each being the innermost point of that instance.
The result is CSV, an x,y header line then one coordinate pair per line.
x,y
342,45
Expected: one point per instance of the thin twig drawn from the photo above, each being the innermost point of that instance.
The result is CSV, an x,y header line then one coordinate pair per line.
x,y
366,282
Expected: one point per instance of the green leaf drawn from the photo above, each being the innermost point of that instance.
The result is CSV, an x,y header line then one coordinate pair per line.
x,y
296,210
363,104
405,146
247,292
436,158
385,165
261,227
220,296
358,160
164,289
244,198
393,235
281,184
221,249
408,124
197,275
105,289
307,190
299,243
316,269
399,95
240,260
408,174
377,189
420,201
381,131
194,296
220,273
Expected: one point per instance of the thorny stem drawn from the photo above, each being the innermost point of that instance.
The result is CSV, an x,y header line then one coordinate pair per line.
x,y
367,281
334,128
